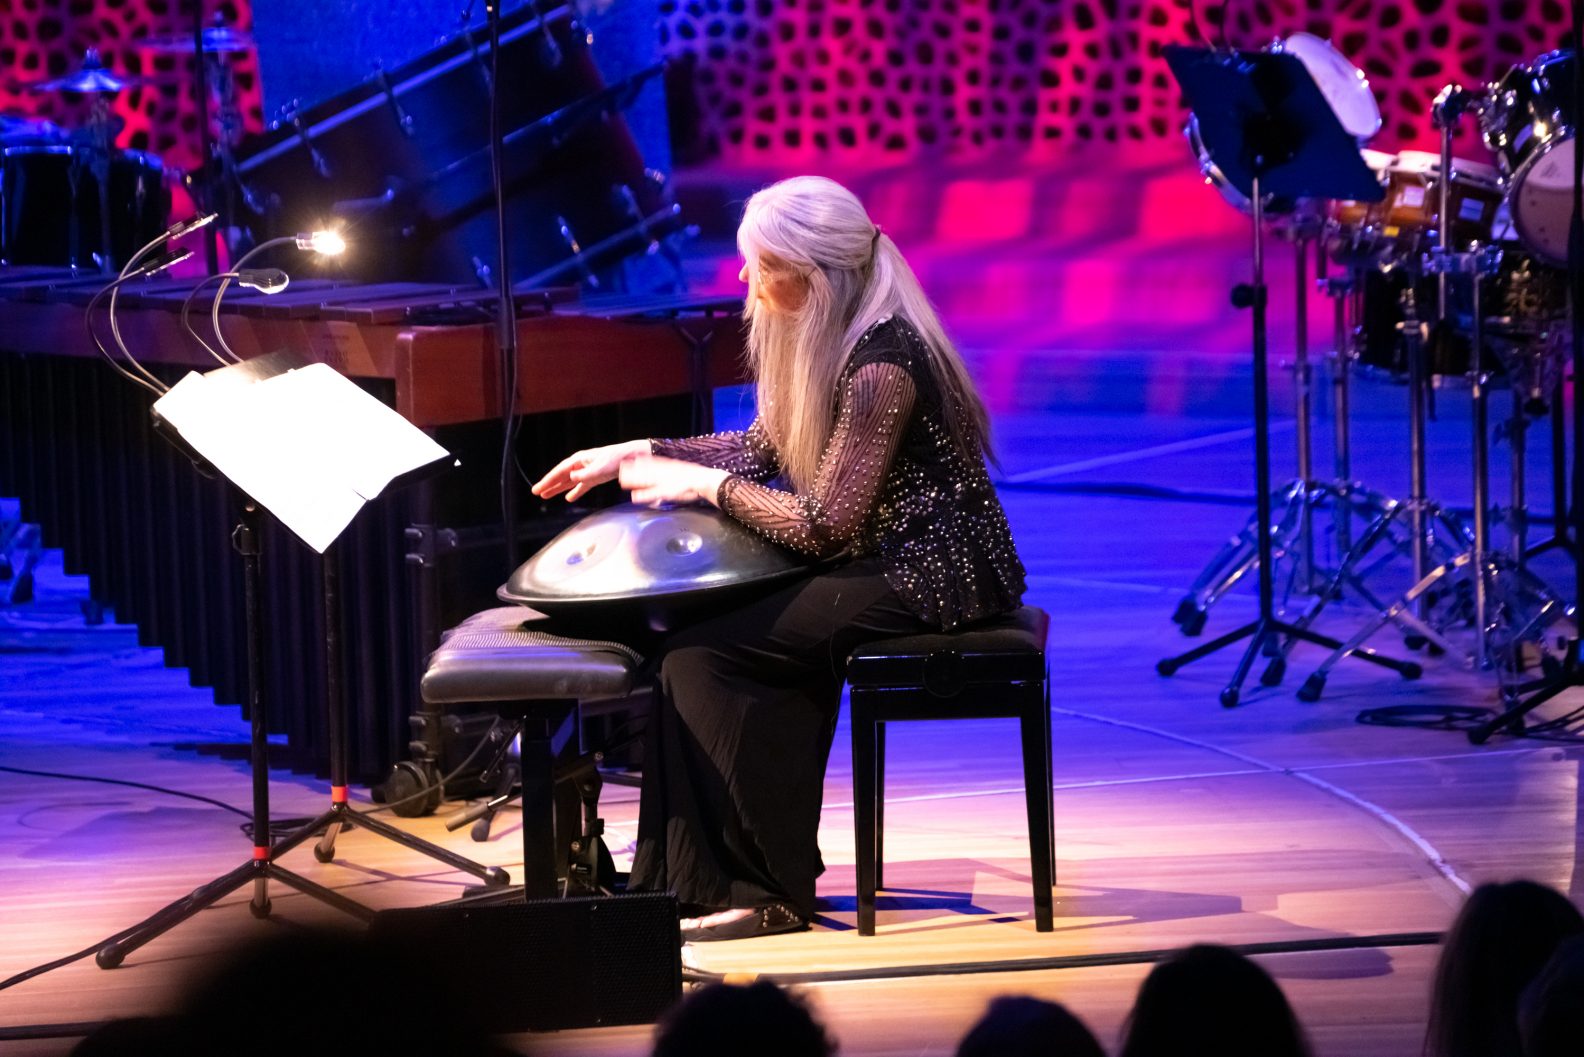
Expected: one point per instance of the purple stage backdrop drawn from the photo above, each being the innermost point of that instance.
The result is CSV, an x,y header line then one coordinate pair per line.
x,y
873,80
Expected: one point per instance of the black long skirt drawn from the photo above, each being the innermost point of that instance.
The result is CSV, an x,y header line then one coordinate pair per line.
x,y
735,752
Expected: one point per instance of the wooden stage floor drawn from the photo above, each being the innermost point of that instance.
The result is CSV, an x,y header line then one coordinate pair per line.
x,y
1177,820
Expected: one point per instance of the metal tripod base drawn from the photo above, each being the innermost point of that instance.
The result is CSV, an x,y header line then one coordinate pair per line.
x,y
1265,637
1348,574
1511,719
1503,581
341,816
1291,534
258,872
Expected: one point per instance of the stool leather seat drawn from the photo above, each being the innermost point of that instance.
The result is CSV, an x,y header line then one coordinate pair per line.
x,y
993,651
500,655
506,657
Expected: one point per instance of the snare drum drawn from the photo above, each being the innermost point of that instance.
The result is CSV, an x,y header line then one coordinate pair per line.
x,y
1528,124
50,204
1410,214
1355,235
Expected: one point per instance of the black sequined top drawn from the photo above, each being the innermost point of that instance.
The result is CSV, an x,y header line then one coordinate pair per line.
x,y
891,484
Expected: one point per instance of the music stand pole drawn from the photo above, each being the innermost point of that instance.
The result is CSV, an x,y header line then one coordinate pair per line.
x,y
261,868
340,814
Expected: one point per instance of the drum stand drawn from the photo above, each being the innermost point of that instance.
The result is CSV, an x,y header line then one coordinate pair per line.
x,y
1380,513
1521,601
1571,672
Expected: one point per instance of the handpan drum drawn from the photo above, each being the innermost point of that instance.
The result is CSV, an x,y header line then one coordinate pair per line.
x,y
655,568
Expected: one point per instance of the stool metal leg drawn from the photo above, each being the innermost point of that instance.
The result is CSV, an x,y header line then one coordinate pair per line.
x,y
1037,785
1050,774
879,770
864,821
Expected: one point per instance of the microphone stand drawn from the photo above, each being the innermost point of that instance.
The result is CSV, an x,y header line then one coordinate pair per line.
x,y
506,304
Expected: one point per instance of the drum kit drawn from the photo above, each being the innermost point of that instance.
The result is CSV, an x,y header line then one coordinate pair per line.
x,y
71,197
1445,283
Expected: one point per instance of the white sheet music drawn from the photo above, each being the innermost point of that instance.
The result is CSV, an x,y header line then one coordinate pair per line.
x,y
308,444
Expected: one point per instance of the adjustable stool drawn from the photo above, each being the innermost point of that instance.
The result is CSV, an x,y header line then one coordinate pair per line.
x,y
992,670
498,656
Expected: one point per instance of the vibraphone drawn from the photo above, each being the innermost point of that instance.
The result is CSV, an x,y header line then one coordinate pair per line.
x,y
153,536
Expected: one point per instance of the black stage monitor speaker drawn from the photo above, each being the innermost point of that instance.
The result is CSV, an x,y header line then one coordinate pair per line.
x,y
552,964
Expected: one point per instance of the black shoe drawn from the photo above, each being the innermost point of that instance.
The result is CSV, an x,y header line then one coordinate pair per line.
x,y
764,921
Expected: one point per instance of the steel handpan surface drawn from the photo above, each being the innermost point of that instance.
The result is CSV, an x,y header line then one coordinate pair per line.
x,y
633,552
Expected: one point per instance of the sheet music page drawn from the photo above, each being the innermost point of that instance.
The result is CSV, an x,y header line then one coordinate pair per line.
x,y
308,445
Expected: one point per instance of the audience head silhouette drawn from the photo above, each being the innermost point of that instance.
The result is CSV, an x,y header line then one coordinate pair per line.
x,y
309,993
1210,1000
1502,937
1017,1026
1551,1009
723,1020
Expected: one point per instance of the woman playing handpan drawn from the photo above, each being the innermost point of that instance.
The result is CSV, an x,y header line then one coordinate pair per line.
x,y
869,445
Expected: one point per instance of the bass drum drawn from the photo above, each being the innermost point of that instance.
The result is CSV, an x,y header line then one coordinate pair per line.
x,y
1528,124
1382,350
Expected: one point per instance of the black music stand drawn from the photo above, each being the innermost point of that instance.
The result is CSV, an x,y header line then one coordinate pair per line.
x,y
1269,130
267,447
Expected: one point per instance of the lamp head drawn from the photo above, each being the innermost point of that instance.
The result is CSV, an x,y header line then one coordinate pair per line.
x,y
264,280
324,242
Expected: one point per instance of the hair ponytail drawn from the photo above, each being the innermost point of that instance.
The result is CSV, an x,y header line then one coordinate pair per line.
x,y
856,277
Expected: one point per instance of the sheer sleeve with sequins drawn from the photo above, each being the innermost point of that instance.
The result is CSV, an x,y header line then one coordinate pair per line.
x,y
876,401
747,453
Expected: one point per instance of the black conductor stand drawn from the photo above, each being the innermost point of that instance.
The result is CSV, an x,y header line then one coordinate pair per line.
x,y
1270,130
262,867
340,814
1570,673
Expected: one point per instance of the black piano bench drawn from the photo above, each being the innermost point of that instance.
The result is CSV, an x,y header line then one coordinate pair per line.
x,y
991,670
536,679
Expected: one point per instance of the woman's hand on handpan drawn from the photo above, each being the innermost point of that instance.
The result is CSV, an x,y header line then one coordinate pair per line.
x,y
653,479
582,470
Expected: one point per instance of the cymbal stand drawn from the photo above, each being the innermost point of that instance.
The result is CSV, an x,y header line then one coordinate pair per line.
x,y
1490,577
1266,628
1351,497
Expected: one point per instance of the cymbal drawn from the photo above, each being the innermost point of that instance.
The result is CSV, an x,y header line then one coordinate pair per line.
x,y
91,77
216,39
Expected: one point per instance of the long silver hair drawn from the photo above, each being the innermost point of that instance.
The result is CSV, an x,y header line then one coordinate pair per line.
x,y
855,277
